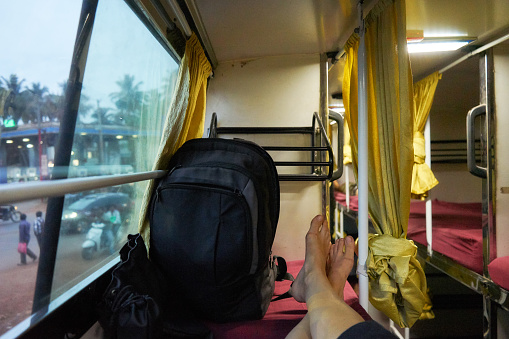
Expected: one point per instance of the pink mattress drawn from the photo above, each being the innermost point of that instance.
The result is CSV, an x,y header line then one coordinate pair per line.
x,y
499,271
282,315
341,198
457,230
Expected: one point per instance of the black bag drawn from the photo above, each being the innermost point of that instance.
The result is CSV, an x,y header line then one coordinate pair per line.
x,y
213,221
136,305
130,305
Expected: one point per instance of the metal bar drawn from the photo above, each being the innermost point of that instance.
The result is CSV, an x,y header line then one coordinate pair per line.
x,y
474,52
213,126
180,17
301,163
58,188
324,117
302,177
362,167
429,221
48,251
294,148
202,31
264,130
338,118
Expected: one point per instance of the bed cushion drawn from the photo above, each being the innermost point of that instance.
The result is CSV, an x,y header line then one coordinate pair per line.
x,y
499,271
282,315
457,231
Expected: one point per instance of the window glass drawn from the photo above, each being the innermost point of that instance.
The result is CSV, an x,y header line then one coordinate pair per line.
x,y
127,88
37,41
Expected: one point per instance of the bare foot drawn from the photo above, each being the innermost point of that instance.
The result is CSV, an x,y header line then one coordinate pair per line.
x,y
316,255
340,263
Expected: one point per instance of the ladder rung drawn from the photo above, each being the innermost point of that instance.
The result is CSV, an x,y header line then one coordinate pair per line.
x,y
302,177
264,130
296,148
302,163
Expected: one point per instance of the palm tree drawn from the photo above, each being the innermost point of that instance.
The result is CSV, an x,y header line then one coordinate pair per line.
x,y
34,107
128,100
102,115
15,104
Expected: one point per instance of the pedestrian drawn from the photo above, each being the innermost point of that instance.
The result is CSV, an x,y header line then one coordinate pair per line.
x,y
24,237
39,228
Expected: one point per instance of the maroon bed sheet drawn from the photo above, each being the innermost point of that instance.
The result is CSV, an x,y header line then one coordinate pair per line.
x,y
282,315
457,229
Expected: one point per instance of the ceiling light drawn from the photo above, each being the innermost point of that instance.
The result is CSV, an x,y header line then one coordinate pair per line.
x,y
119,137
26,140
9,141
437,45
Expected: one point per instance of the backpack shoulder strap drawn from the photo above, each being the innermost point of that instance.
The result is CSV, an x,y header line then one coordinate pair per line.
x,y
282,274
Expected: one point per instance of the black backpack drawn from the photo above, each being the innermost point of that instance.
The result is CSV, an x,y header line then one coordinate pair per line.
x,y
213,221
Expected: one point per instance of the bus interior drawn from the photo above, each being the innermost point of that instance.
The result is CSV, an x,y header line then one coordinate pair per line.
x,y
87,93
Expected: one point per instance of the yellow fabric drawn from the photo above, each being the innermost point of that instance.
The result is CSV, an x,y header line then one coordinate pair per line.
x,y
396,278
390,107
422,177
347,148
185,119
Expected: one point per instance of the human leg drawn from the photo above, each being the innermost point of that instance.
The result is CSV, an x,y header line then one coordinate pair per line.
x,y
23,259
31,254
328,315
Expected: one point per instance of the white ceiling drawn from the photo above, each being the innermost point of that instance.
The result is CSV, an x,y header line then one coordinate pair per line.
x,y
244,29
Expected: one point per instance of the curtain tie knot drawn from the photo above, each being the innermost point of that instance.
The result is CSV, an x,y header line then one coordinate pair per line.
x,y
397,282
391,256
419,148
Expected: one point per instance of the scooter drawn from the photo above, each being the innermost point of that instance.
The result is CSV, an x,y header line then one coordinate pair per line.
x,y
10,212
96,240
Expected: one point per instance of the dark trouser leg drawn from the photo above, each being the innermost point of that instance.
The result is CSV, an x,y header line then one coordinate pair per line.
x,y
31,254
23,258
39,240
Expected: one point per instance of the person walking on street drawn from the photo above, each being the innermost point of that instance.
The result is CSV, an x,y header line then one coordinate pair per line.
x,y
24,237
39,228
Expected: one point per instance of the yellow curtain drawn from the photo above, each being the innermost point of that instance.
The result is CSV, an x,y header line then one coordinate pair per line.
x,y
185,119
397,281
422,177
347,148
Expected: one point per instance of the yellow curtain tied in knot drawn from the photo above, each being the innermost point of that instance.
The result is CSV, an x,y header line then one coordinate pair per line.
x,y
423,178
397,280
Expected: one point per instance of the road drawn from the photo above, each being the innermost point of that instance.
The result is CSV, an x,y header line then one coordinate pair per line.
x,y
17,283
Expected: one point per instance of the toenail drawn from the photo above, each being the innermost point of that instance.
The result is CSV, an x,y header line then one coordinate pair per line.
x,y
349,240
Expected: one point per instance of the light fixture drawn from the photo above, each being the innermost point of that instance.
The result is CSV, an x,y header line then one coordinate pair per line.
x,y
26,140
9,141
445,44
30,146
119,137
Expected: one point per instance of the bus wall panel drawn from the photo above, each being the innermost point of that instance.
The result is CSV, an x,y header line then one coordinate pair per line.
x,y
273,92
501,65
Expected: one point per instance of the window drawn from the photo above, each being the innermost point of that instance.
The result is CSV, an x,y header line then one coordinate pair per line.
x,y
128,82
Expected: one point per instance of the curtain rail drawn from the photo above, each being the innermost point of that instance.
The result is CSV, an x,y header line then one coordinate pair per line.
x,y
53,188
474,52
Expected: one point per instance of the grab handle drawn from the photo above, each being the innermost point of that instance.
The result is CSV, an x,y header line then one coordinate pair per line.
x,y
338,118
472,165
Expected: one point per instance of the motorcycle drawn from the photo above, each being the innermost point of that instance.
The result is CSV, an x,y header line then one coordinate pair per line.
x,y
97,239
10,212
